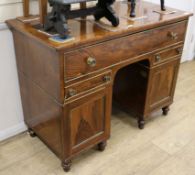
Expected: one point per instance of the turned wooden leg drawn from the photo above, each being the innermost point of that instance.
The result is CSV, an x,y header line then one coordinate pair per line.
x,y
31,132
141,123
66,165
102,145
165,110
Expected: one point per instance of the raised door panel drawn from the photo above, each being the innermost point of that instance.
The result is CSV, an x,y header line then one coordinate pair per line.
x,y
89,119
162,84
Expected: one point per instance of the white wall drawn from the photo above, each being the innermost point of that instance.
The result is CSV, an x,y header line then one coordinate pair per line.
x,y
11,115
12,8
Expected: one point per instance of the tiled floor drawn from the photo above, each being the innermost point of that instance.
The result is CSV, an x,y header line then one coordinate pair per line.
x,y
165,147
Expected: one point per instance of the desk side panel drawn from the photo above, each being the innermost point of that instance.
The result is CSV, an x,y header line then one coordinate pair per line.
x,y
41,114
41,64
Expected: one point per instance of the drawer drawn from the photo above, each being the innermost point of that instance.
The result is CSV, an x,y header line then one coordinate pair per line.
x,y
88,84
89,59
167,54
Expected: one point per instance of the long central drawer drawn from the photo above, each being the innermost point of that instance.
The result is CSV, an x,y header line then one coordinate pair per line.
x,y
96,57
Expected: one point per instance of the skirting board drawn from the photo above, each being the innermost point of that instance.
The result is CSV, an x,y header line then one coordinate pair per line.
x,y
12,131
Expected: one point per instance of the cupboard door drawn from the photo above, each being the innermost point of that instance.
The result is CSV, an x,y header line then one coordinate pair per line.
x,y
89,119
162,84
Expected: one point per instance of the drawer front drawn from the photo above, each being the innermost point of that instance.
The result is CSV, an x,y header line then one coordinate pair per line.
x,y
167,54
88,84
89,59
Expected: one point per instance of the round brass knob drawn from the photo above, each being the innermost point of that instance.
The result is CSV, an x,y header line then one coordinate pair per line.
x,y
157,58
91,61
107,78
173,35
72,92
179,50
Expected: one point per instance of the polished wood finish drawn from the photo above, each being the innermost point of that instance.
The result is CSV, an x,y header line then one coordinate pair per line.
x,y
76,62
166,55
26,8
162,82
42,10
87,33
89,120
67,89
83,5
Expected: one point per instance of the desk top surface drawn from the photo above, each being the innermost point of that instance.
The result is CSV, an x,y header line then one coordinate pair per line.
x,y
87,31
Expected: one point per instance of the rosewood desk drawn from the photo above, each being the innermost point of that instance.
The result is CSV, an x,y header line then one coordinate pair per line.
x,y
67,89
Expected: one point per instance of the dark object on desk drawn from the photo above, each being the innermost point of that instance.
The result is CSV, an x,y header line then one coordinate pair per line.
x,y
162,2
133,5
61,12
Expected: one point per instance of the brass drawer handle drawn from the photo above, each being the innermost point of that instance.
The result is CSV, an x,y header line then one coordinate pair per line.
x,y
91,61
179,50
157,58
173,35
71,92
107,78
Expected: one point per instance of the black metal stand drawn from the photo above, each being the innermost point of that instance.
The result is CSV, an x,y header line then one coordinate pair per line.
x,y
104,9
133,5
57,19
162,2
